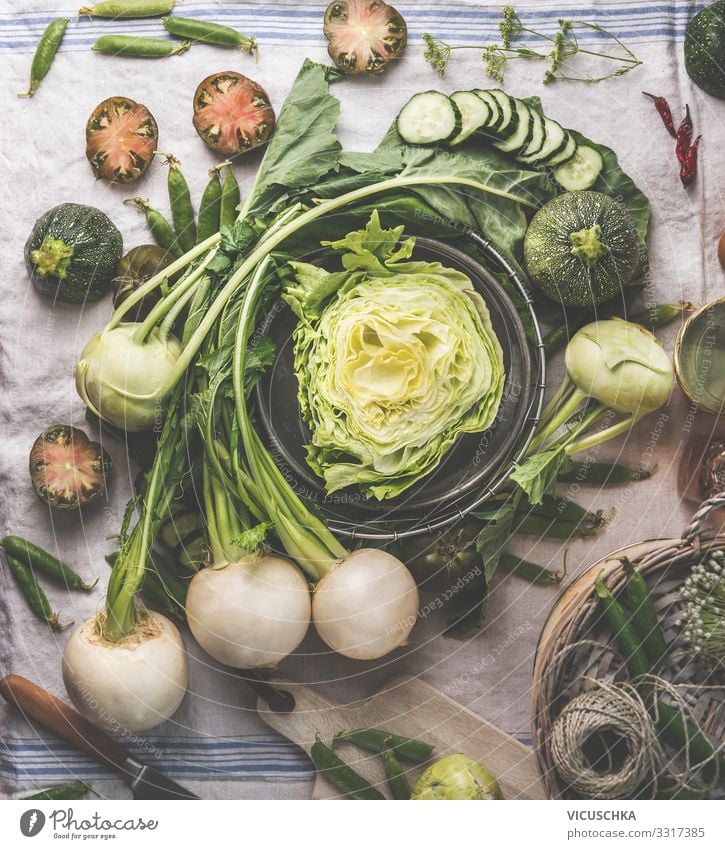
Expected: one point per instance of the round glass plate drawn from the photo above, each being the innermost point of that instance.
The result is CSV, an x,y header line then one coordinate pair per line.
x,y
472,470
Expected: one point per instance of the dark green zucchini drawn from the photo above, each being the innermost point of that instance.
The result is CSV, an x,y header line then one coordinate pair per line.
x,y
73,252
705,49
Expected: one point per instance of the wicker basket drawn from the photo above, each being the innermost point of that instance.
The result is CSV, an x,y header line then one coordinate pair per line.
x,y
575,644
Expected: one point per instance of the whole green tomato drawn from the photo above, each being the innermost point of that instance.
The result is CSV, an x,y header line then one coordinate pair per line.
x,y
438,561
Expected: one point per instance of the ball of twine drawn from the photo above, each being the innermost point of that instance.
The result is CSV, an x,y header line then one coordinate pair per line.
x,y
618,710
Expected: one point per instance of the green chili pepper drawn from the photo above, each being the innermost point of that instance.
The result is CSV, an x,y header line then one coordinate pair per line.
x,y
559,507
45,53
210,207
532,572
211,33
127,8
604,474
182,210
376,740
550,528
670,722
139,46
33,592
160,228
661,314
76,790
230,199
344,777
39,560
644,616
397,781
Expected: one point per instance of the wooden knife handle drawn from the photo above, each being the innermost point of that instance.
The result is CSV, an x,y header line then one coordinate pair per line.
x,y
63,721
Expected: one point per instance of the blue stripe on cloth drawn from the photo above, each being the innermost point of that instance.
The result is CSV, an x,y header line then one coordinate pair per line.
x,y
292,23
253,757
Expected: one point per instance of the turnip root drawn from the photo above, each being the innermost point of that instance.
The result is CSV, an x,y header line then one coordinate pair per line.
x,y
130,685
366,606
249,614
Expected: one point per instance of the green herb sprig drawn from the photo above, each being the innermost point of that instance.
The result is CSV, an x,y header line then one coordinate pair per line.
x,y
560,50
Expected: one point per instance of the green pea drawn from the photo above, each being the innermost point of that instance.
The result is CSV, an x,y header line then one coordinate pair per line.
x,y
230,199
160,228
211,33
33,592
138,46
127,8
45,53
210,207
182,210
38,559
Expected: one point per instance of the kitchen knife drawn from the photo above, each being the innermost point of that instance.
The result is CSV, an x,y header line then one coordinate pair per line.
x,y
36,703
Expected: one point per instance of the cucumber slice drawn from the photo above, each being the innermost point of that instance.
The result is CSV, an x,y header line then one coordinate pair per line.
x,y
537,140
496,114
581,171
507,105
475,113
429,117
522,136
555,139
566,154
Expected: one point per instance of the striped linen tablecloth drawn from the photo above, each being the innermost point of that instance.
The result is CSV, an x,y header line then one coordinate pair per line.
x,y
215,743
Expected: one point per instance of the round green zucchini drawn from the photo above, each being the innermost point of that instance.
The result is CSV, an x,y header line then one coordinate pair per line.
x,y
705,49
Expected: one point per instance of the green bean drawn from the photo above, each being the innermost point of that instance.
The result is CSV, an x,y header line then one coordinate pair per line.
x,y
76,790
139,46
376,740
39,560
210,207
605,474
532,572
397,780
644,616
211,33
127,9
660,314
230,199
161,230
182,210
33,592
45,53
344,777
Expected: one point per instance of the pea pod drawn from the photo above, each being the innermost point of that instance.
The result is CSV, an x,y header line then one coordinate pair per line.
x,y
210,207
139,46
76,790
395,775
344,777
644,617
33,592
231,197
45,53
37,559
622,630
127,8
211,33
160,228
376,740
532,572
182,210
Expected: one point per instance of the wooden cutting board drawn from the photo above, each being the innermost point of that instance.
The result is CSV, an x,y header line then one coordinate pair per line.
x,y
408,706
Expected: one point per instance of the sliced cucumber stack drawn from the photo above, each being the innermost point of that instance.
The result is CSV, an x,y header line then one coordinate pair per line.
x,y
429,117
581,171
510,124
475,114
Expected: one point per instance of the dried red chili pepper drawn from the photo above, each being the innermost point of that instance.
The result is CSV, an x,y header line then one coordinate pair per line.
x,y
684,137
665,112
688,169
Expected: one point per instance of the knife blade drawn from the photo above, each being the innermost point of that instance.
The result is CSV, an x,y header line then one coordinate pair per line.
x,y
38,704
